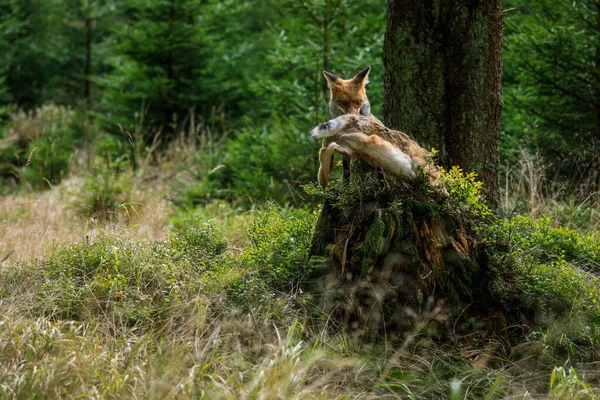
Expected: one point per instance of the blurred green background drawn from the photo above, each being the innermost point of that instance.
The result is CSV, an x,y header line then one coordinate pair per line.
x,y
109,80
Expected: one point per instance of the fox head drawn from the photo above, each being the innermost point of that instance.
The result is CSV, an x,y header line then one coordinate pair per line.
x,y
348,96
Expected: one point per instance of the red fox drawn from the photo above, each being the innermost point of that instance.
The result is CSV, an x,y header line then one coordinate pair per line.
x,y
369,139
354,131
348,96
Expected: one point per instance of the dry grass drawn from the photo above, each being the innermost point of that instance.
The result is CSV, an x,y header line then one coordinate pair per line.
x,y
35,223
528,189
248,357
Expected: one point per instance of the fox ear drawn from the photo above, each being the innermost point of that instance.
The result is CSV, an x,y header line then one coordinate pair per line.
x,y
362,76
331,78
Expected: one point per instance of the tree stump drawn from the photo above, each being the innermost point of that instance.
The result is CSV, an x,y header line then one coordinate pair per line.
x,y
397,253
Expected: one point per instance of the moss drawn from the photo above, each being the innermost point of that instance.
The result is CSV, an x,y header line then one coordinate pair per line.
x,y
460,274
374,243
420,210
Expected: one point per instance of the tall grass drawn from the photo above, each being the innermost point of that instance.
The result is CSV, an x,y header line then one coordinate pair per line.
x,y
528,189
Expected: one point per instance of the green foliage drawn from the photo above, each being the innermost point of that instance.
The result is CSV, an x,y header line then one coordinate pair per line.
x,y
4,96
134,284
29,60
279,244
566,384
45,49
555,269
39,146
551,84
106,193
266,162
108,278
130,283
560,286
157,61
306,38
544,242
465,193
201,245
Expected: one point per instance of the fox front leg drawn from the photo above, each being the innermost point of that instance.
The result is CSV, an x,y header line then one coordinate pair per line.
x,y
325,165
326,160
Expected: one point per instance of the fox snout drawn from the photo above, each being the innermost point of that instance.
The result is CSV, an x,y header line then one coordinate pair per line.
x,y
354,110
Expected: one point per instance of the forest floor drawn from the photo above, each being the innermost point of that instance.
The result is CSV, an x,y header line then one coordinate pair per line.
x,y
150,302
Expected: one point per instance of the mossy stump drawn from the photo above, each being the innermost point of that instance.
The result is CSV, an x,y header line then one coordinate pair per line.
x,y
398,254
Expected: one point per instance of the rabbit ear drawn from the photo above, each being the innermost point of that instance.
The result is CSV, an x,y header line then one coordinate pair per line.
x,y
362,76
332,79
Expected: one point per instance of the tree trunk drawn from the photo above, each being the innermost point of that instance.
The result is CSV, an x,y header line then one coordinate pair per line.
x,y
87,73
87,90
597,72
443,75
397,253
169,109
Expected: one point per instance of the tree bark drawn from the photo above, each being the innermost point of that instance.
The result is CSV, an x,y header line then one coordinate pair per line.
x,y
597,70
443,75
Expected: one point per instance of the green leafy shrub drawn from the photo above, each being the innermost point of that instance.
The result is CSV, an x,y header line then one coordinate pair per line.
x,y
561,286
262,163
553,268
127,282
542,241
109,278
273,262
200,244
136,284
279,244
465,192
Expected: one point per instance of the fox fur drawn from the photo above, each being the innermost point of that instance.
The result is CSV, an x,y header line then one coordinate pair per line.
x,y
368,138
348,96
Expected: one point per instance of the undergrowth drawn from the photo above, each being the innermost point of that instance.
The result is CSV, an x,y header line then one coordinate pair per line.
x,y
205,315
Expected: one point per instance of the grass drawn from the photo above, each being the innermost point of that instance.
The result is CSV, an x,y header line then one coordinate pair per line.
x,y
528,190
235,356
31,224
209,303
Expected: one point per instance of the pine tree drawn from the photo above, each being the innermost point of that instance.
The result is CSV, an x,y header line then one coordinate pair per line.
x,y
29,51
552,86
158,58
